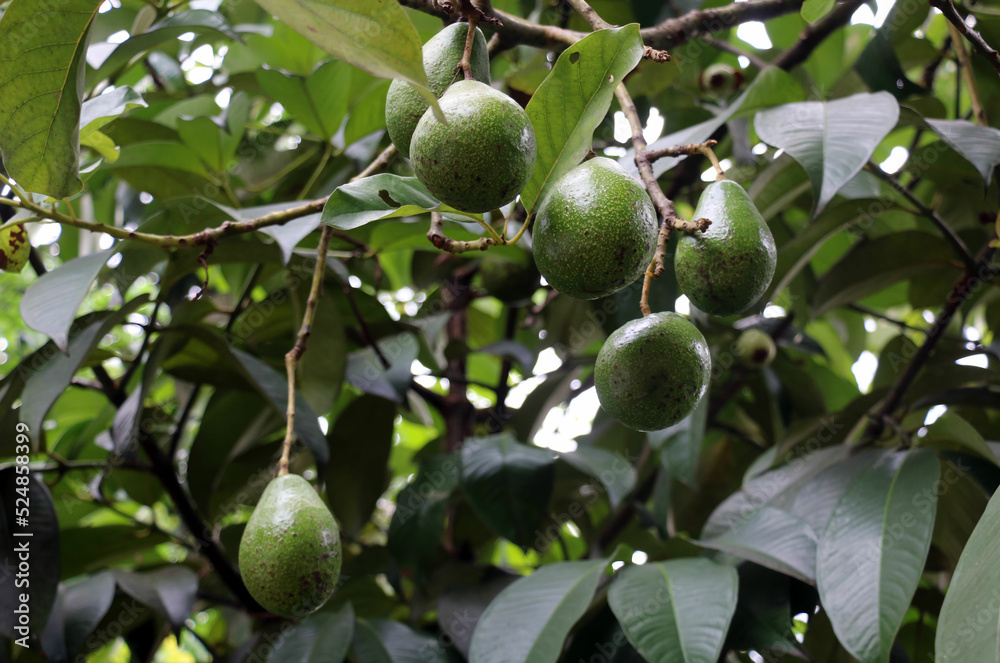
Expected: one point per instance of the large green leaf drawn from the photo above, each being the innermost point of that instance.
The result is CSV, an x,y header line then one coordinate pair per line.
x,y
832,140
877,264
376,37
508,484
50,303
382,196
359,477
402,643
418,521
573,100
43,574
319,101
41,67
79,608
612,469
773,538
873,550
529,621
680,444
980,145
676,611
967,626
323,637
170,591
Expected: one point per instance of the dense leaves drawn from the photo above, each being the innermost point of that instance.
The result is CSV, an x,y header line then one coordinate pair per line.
x,y
178,167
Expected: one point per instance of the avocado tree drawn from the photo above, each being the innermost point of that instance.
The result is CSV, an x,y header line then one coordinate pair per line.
x,y
398,331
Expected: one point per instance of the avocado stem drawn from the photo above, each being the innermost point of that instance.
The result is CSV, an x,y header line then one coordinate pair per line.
x,y
465,64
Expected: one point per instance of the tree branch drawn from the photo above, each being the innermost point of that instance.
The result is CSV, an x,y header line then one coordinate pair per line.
x,y
948,9
965,285
814,35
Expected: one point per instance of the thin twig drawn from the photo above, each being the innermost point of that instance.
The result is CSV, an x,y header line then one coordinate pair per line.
x,y
965,64
754,59
598,23
948,9
437,237
960,248
292,356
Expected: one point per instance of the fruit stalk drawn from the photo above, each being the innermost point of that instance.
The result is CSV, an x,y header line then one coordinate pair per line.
x,y
292,356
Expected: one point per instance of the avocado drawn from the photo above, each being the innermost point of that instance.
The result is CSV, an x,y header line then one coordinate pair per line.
x,y
595,232
755,348
290,552
404,106
652,372
482,157
510,275
726,269
14,249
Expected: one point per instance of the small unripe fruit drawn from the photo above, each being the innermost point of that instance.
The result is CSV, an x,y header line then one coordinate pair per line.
x,y
14,249
510,276
755,348
720,80
290,553
652,372
482,157
404,106
595,231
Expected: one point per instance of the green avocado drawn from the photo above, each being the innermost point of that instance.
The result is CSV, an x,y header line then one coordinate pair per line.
x,y
595,231
652,372
510,275
290,552
726,269
404,106
15,249
483,157
755,348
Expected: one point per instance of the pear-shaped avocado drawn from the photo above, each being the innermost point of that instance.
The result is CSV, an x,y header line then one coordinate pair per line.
x,y
290,552
595,231
483,157
509,275
755,348
404,106
14,249
726,269
652,372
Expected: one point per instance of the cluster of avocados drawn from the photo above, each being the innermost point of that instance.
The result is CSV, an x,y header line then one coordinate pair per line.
x,y
595,233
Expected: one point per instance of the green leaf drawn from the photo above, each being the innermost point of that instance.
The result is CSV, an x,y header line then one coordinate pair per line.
x,y
967,626
44,542
323,637
318,101
51,372
795,254
772,87
573,100
273,384
540,609
382,196
365,370
876,264
872,553
172,156
359,477
813,10
79,608
953,433
376,37
170,591
204,138
402,643
612,469
50,303
832,140
85,549
676,611
102,110
980,145
417,525
41,65
508,484
773,538
680,444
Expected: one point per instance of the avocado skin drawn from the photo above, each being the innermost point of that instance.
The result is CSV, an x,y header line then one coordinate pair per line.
x,y
290,553
652,372
726,269
15,249
511,277
483,157
595,231
403,104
